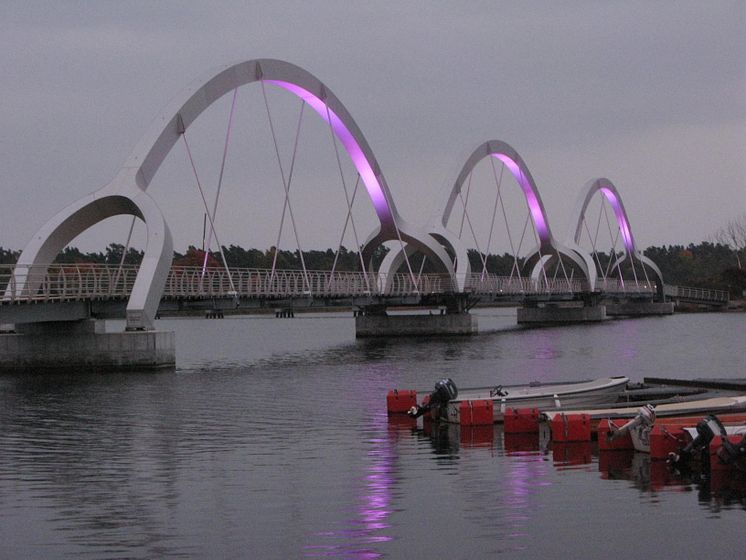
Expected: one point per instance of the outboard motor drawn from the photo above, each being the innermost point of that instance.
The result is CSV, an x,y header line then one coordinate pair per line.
x,y
707,429
732,454
645,419
445,390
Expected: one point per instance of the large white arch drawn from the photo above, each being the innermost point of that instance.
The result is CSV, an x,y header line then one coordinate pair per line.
x,y
607,189
548,246
126,193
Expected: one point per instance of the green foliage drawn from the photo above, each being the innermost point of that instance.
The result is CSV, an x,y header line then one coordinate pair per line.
x,y
8,256
114,252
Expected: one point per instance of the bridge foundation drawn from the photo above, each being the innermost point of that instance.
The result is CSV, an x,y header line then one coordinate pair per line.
x,y
560,314
84,345
639,309
415,325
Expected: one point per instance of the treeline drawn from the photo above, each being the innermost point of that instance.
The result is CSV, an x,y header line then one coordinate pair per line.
x,y
707,265
235,256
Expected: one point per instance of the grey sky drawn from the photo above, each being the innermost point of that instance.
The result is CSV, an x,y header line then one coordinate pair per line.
x,y
651,95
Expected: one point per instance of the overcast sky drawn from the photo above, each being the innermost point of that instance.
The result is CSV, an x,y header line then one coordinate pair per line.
x,y
650,94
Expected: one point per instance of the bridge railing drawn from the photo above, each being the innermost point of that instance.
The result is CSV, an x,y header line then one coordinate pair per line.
x,y
97,281
702,295
60,282
494,285
617,286
190,282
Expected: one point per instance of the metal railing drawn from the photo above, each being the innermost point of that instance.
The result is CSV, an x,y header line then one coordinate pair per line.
x,y
63,282
493,285
703,295
618,286
66,282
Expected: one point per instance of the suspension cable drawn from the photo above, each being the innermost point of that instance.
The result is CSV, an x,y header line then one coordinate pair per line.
x,y
286,186
209,217
516,268
464,203
404,251
349,218
615,238
594,250
498,183
594,239
124,253
538,244
474,235
344,231
220,177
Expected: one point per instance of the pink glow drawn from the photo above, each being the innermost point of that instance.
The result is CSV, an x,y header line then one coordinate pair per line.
x,y
621,218
532,197
374,508
372,184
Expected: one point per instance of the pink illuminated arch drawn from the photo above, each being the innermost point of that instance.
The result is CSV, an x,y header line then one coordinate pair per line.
x,y
547,248
607,189
167,129
515,164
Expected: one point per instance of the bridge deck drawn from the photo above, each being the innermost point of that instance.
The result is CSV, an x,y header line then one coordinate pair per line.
x,y
104,289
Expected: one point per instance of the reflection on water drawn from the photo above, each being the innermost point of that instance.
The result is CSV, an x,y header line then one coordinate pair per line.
x,y
367,528
270,440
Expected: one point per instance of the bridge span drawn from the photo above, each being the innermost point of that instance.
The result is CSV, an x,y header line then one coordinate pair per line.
x,y
552,279
102,291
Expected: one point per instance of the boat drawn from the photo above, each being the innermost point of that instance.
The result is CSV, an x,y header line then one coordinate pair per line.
x,y
681,428
596,392
698,408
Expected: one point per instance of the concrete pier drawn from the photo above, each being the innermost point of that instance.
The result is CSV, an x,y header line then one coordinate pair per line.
x,y
639,309
560,314
84,345
415,325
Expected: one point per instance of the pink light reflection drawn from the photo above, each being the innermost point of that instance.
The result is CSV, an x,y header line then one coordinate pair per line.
x,y
375,504
372,184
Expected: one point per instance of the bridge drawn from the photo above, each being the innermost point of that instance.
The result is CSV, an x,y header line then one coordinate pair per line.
x,y
83,291
445,263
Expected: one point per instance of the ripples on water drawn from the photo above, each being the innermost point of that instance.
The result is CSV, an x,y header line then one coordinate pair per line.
x,y
270,440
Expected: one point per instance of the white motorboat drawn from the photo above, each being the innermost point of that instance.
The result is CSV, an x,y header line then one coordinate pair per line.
x,y
538,395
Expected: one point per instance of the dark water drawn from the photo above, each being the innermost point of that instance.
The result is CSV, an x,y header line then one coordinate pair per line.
x,y
271,440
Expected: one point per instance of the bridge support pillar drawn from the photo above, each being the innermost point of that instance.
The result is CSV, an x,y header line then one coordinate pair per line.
x,y
639,309
84,345
560,314
381,325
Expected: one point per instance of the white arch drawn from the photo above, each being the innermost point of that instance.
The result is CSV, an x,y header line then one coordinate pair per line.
x,y
85,213
135,176
154,147
610,192
518,168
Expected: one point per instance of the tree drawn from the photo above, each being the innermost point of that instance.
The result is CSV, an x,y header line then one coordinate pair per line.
x,y
195,258
8,256
733,234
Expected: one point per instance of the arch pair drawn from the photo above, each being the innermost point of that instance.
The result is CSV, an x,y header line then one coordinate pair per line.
x,y
548,247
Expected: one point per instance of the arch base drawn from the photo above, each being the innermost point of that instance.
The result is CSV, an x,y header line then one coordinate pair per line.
x,y
84,345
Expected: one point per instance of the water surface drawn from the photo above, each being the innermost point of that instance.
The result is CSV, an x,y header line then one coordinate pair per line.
x,y
271,440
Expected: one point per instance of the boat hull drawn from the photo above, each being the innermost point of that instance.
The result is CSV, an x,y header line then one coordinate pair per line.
x,y
550,396
734,424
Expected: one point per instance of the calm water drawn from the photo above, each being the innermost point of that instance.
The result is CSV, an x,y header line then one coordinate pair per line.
x,y
271,440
